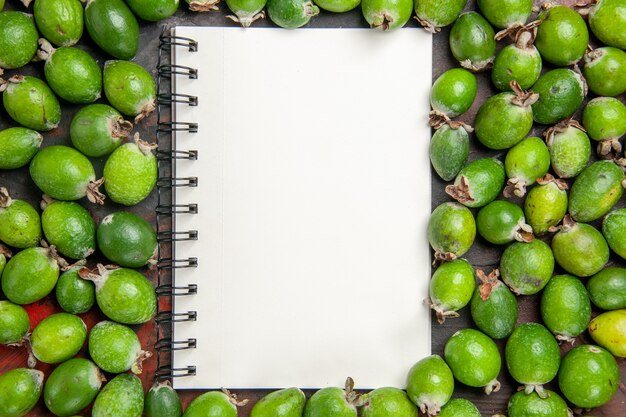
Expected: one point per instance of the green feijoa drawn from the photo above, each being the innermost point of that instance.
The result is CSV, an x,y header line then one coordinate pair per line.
x,y
288,402
20,390
387,401
20,225
505,14
30,102
449,149
589,376
430,384
202,5
607,288
595,191
129,88
434,14
451,288
609,331
130,172
30,275
478,183
59,21
562,36
501,222
69,227
519,61
127,240
116,348
98,129
72,386
291,14
605,71
247,11
113,27
614,230
527,267
71,73
580,248
474,359
75,295
505,119
124,295
459,407
334,401
453,92
58,337
561,91
451,230
493,307
336,6
607,19
18,39
472,42
532,356
153,11
213,403
570,148
14,322
565,307
525,162
163,401
121,397
65,174
387,14
604,119
533,405
18,145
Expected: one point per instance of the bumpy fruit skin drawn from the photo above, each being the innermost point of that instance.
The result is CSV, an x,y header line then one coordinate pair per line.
x,y
451,288
120,397
430,384
565,307
30,102
163,401
20,390
247,11
570,149
527,267
18,145
607,18
72,386
614,230
500,222
30,275
14,322
126,239
500,124
73,75
514,63
496,313
384,402
605,118
451,229
503,14
153,11
130,174
288,402
453,92
114,347
478,183
69,227
472,41
336,6
58,337
449,149
532,405
609,331
435,14
562,36
595,191
607,288
524,164
98,129
75,295
113,27
213,403
459,407
291,14
129,88
561,91
588,376
605,71
20,225
18,39
387,14
580,249
59,21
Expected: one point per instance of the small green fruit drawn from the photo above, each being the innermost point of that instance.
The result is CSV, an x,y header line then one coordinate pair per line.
x,y
20,390
520,62
59,21
524,164
579,248
121,397
98,129
504,14
163,401
533,405
212,403
334,401
20,225
595,191
546,204
527,267
614,230
459,407
14,323
561,92
58,337
494,307
605,121
430,384
609,331
116,348
69,227
127,240
606,20
451,288
501,222
562,36
605,71
387,14
288,402
18,39
449,149
129,88
384,402
453,92
72,386
478,183
565,307
569,147
113,27
434,14
153,11
18,145
30,275
607,288
472,41
30,102
75,295
291,14
451,230
247,11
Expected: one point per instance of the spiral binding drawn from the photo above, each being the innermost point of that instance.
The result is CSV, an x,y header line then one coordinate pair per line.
x,y
166,209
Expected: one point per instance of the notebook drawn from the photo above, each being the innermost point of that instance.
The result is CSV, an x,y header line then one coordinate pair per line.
x,y
305,186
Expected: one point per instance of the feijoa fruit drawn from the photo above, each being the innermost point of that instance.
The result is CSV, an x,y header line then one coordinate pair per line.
x,y
527,267
58,337
98,129
18,145
565,307
451,288
430,384
451,230
20,225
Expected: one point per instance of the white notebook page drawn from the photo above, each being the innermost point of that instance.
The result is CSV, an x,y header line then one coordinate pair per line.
x,y
313,196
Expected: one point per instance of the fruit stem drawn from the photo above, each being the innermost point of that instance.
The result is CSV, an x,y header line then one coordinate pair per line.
x,y
32,360
137,367
429,407
311,9
492,386
120,128
45,50
93,192
53,254
5,251
524,233
522,98
382,21
567,339
46,200
428,26
145,110
233,398
145,147
440,312
548,178
514,186
607,146
5,198
488,282
204,6
478,66
460,192
245,20
97,278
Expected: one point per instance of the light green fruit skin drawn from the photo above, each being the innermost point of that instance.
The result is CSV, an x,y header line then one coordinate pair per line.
x,y
453,92
18,39
113,346
162,401
3,262
605,71
113,27
29,276
485,178
532,354
459,407
452,285
562,36
20,390
288,402
247,11
473,357
336,6
430,383
607,18
500,124
126,239
503,14
588,376
69,227
398,13
451,229
213,403
565,306
605,118
531,405
527,267
614,230
499,221
561,92
291,14
130,175
74,294
496,316
126,296
329,401
388,401
59,21
472,41
18,145
609,331
71,387
14,322
580,250
58,337
607,288
570,151
595,191
449,149
74,75
515,63
153,11
97,130
20,225
528,160
437,13
121,397
128,87
1,4
30,102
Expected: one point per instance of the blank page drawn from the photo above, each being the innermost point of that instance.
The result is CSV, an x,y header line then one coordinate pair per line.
x,y
313,199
